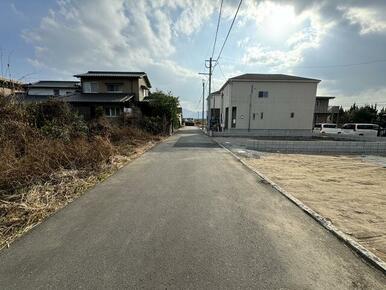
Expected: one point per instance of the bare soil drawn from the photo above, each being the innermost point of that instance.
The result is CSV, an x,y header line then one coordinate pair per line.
x,y
348,190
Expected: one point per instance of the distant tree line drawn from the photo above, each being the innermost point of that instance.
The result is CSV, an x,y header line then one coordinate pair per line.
x,y
362,114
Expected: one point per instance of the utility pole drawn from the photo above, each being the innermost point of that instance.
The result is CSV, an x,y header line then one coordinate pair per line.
x,y
209,91
203,101
210,67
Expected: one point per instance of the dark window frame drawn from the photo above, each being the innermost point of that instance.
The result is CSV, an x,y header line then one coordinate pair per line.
x,y
234,117
263,94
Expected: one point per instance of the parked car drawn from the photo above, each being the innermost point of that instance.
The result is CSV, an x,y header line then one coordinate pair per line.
x,y
327,128
360,129
189,122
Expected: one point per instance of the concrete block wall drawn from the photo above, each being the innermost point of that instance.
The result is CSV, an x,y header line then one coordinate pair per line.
x,y
318,147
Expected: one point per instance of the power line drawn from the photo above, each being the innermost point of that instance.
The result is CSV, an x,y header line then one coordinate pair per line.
x,y
218,25
229,31
219,66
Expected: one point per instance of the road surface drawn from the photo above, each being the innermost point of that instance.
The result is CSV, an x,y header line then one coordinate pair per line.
x,y
185,215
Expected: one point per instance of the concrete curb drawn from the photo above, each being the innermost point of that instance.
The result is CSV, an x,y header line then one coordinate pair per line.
x,y
362,251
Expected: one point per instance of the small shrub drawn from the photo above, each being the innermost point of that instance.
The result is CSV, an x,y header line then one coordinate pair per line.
x,y
152,124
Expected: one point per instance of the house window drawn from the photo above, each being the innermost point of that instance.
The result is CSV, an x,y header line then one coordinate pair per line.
x,y
90,87
56,92
292,114
114,88
263,94
234,113
145,92
261,115
113,111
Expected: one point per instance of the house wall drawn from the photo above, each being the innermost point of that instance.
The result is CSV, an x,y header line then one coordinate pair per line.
x,y
283,99
215,101
48,91
321,105
5,91
129,85
141,82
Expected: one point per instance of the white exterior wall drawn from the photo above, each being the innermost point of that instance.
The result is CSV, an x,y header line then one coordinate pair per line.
x,y
283,99
215,101
226,103
48,91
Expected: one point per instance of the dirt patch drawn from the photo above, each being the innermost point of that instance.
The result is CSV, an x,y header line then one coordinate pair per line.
x,y
350,191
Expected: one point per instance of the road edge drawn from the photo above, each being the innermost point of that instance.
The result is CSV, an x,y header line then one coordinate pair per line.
x,y
354,245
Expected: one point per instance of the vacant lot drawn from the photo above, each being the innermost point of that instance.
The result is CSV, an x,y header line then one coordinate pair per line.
x,y
350,191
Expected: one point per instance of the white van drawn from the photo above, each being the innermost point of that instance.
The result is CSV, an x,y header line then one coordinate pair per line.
x,y
360,129
326,128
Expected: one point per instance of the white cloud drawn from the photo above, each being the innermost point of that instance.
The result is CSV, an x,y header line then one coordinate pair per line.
x,y
370,19
75,37
193,17
309,32
366,97
16,10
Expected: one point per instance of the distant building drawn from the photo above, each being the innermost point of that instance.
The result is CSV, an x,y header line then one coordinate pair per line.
x,y
215,104
43,90
264,105
9,87
321,111
333,114
114,91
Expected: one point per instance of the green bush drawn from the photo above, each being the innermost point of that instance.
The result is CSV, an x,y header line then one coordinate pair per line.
x,y
152,124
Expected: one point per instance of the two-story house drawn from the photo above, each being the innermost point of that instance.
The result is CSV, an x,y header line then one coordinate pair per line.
x,y
321,111
263,105
112,90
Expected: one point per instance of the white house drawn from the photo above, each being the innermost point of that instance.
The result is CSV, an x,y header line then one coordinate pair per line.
x,y
264,105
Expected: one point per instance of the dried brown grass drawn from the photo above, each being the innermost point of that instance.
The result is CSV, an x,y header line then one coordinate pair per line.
x,y
39,174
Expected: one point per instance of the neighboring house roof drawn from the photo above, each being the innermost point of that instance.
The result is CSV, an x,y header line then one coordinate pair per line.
x,y
6,81
333,109
115,74
324,97
270,78
35,98
98,98
54,84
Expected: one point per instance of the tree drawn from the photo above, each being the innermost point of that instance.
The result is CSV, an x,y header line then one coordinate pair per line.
x,y
366,114
162,108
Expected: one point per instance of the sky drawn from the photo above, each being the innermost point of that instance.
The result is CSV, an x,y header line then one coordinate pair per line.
x,y
340,42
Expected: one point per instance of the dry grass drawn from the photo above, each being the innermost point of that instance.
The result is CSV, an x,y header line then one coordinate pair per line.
x,y
41,173
349,191
28,207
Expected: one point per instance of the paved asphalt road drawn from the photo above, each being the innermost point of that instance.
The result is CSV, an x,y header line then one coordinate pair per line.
x,y
185,215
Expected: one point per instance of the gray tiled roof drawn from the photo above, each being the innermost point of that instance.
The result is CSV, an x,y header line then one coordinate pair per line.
x,y
98,98
272,77
123,74
269,78
54,84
